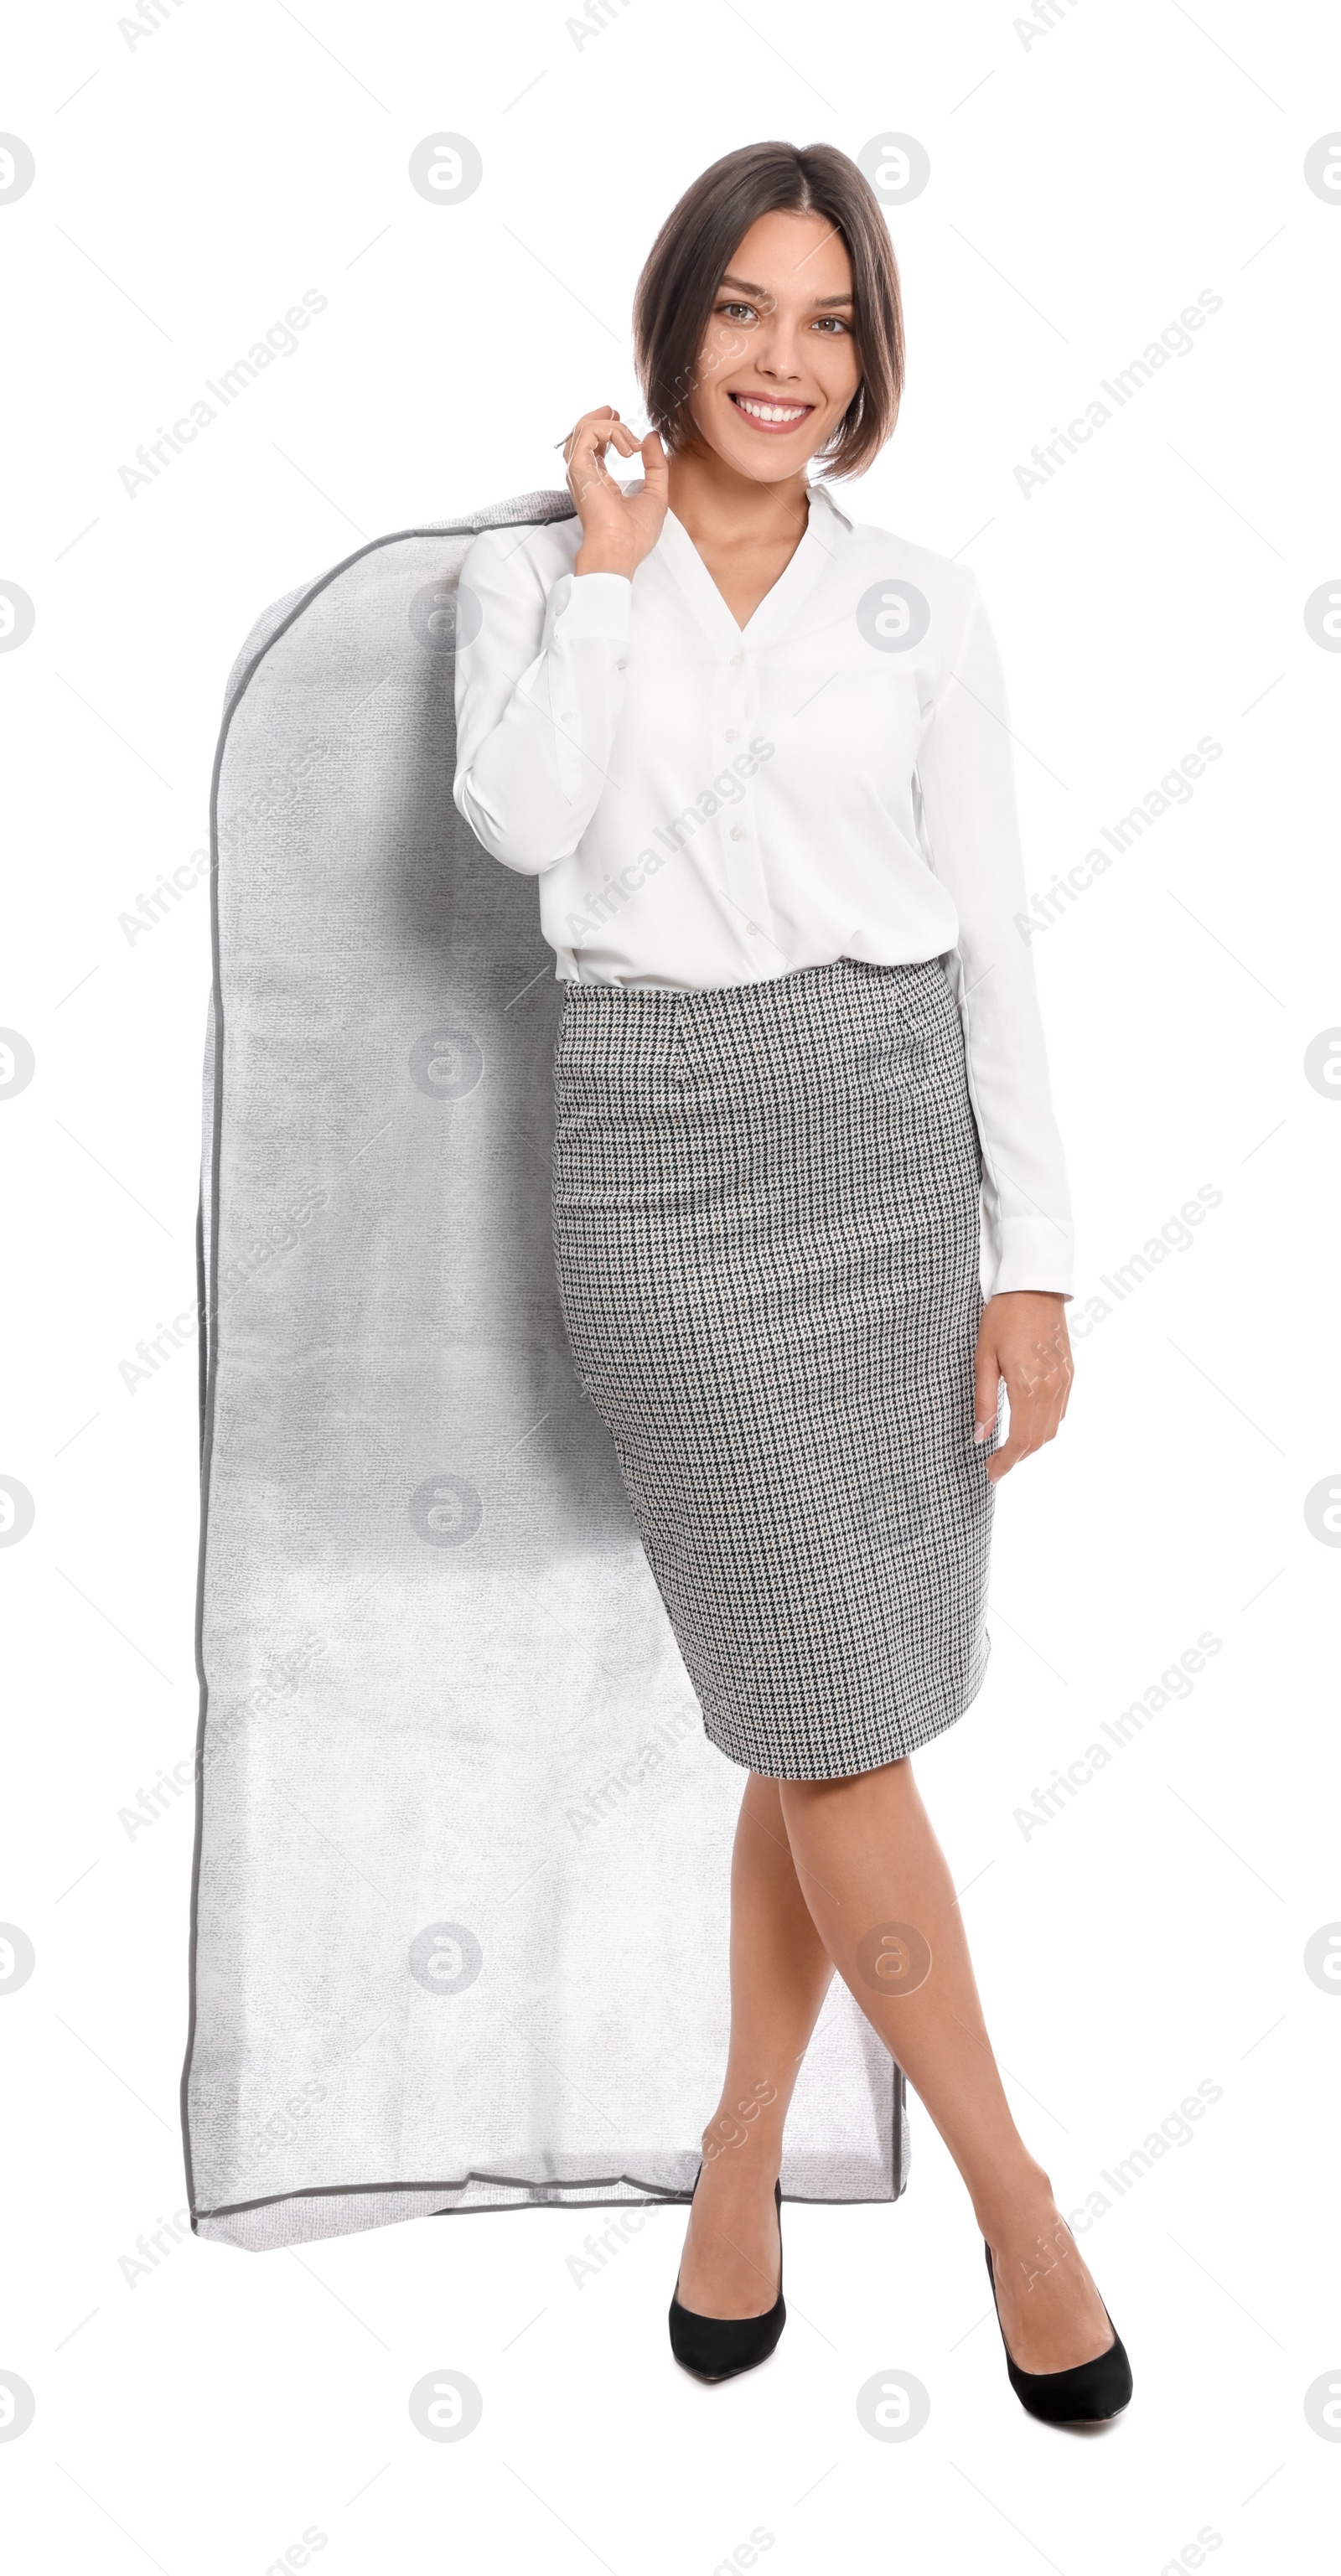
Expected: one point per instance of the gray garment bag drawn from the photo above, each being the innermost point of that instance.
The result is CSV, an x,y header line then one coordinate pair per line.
x,y
460,1902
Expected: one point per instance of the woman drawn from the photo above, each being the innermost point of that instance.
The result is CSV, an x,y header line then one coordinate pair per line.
x,y
756,755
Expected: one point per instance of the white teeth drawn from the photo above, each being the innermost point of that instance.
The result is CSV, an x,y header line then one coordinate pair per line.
x,y
771,411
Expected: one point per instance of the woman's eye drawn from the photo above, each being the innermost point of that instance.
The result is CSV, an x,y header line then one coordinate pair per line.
x,y
731,311
833,323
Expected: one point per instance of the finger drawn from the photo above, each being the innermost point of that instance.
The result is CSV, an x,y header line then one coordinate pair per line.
x,y
1034,1417
587,471
1021,1437
986,1391
596,431
656,465
1041,1403
1012,1450
604,411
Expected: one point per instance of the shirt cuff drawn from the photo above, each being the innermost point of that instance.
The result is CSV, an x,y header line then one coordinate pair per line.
x,y
598,604
1033,1254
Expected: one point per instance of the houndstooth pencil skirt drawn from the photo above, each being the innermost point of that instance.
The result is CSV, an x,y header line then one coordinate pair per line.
x,y
766,1237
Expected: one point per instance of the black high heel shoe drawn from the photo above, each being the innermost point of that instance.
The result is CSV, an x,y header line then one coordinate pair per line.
x,y
1089,2393
721,2347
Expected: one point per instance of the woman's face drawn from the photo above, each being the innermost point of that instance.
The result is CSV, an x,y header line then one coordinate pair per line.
x,y
778,365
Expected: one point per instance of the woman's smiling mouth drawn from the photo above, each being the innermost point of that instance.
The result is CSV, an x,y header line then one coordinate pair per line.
x,y
762,412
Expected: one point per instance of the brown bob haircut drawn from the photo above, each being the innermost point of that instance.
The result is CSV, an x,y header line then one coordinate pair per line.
x,y
683,274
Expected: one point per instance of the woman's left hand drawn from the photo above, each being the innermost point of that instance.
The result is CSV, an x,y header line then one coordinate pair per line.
x,y
1023,1339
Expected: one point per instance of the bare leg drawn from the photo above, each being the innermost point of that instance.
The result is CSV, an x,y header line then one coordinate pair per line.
x,y
780,1973
866,1856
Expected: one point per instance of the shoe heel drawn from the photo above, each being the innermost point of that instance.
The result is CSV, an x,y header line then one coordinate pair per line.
x,y
722,2347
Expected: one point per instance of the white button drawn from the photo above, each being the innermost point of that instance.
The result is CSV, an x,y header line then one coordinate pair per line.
x,y
736,660
753,929
731,734
621,666
567,719
737,831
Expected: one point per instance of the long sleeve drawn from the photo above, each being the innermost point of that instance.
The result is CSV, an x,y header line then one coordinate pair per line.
x,y
966,778
539,688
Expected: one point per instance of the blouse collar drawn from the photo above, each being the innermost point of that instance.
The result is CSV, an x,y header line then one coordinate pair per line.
x,y
826,528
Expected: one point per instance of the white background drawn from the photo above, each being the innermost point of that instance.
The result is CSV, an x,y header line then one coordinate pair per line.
x,y
1087,183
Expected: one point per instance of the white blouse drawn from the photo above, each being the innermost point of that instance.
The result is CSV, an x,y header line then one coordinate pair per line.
x,y
708,804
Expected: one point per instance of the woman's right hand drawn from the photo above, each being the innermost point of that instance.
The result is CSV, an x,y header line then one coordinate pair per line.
x,y
618,528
